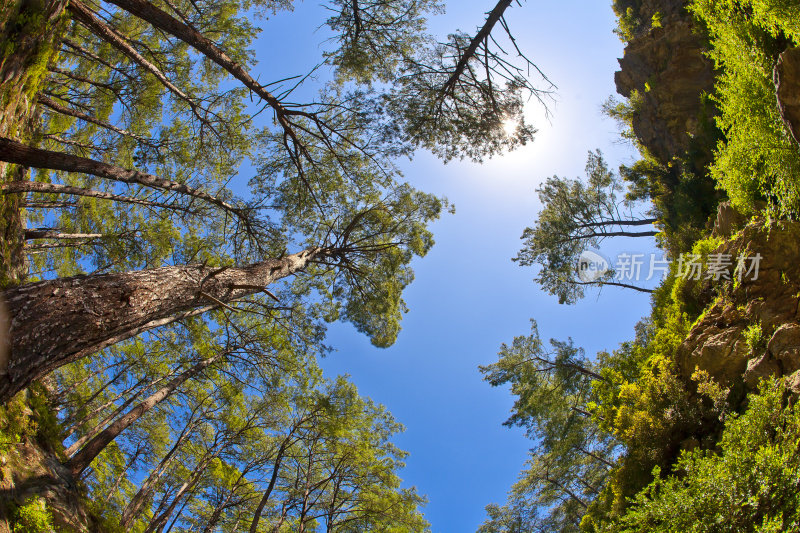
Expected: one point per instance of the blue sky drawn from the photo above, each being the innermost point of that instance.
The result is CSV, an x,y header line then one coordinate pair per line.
x,y
468,296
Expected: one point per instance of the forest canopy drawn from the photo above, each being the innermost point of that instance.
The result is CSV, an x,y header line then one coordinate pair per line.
x,y
166,318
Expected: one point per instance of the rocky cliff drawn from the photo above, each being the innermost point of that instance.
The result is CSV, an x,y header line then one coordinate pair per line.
x,y
665,65
752,328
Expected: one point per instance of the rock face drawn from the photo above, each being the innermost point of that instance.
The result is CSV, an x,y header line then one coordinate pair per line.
x,y
787,82
752,330
666,65
728,221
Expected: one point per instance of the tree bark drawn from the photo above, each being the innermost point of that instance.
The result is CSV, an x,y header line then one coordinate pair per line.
x,y
58,321
49,233
82,459
78,444
30,33
56,188
133,508
21,154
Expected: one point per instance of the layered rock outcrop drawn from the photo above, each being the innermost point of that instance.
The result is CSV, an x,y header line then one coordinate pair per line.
x,y
752,330
665,64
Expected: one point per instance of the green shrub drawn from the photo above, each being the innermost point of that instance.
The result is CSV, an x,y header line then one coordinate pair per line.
x,y
754,337
749,485
758,160
33,517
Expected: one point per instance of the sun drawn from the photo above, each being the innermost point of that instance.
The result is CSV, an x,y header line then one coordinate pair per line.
x,y
510,126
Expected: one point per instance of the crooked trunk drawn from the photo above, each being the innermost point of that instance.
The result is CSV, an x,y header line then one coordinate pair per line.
x,y
56,322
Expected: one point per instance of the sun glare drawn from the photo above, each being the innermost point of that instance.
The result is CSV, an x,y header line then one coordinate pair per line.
x,y
510,126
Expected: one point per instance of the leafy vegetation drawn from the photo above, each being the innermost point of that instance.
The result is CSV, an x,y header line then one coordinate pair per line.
x,y
577,216
210,413
758,160
749,484
33,517
204,409
626,441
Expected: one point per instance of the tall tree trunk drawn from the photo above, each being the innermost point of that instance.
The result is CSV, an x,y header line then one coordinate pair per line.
x,y
78,444
30,33
82,459
49,233
162,20
55,188
56,322
15,152
134,507
159,521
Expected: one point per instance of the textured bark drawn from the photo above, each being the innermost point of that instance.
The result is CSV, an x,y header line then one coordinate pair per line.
x,y
48,233
30,32
82,459
29,35
58,321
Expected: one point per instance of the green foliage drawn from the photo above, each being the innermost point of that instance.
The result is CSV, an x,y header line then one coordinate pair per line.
x,y
754,337
758,160
29,416
602,426
571,458
376,38
578,215
628,20
269,395
656,20
750,484
683,195
33,517
685,461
